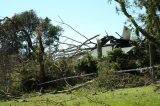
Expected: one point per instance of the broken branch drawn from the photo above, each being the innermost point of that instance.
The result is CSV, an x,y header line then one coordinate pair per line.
x,y
62,22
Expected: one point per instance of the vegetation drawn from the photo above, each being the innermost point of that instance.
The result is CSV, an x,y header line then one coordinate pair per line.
x,y
87,64
26,38
109,77
120,60
146,23
150,18
30,63
140,96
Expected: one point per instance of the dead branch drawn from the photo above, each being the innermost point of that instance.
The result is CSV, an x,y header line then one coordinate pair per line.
x,y
62,22
82,44
74,40
74,88
75,49
118,34
88,40
85,75
70,49
8,96
71,39
138,69
67,44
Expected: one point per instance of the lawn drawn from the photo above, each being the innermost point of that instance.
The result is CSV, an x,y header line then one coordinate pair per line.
x,y
140,96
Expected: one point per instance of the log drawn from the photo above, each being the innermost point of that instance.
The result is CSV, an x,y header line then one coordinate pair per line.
x,y
71,77
73,88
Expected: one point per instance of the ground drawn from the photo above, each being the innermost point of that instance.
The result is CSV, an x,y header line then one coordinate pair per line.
x,y
139,96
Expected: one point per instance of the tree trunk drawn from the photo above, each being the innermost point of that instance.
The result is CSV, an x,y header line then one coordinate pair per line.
x,y
42,70
41,56
152,55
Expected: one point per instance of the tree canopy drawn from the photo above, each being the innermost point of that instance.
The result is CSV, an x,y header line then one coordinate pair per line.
x,y
146,22
26,33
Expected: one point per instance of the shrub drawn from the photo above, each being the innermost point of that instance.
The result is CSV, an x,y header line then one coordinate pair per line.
x,y
105,74
119,60
108,77
62,67
86,65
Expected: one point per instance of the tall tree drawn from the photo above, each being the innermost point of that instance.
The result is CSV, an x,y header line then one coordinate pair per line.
x,y
29,34
144,15
146,22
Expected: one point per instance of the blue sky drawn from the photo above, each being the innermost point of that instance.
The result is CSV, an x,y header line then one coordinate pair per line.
x,y
90,17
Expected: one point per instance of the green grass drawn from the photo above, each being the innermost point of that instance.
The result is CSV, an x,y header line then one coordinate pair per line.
x,y
140,96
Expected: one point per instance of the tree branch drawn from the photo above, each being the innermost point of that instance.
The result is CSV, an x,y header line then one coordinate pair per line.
x,y
23,30
62,22
88,40
71,39
74,40
67,44
146,34
29,39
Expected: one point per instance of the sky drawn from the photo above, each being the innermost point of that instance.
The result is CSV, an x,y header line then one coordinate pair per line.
x,y
89,17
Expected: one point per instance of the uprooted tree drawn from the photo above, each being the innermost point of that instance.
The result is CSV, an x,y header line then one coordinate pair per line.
x,y
33,43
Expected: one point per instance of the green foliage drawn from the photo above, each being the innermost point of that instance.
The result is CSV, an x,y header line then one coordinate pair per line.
x,y
51,32
87,64
115,54
62,67
108,77
27,35
105,75
119,60
56,69
139,96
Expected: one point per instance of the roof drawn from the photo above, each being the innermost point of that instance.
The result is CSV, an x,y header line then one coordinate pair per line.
x,y
127,49
109,48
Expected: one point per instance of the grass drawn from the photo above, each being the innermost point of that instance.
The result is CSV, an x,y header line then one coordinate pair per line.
x,y
140,96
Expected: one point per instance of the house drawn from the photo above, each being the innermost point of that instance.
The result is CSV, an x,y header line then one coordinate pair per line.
x,y
106,49
108,43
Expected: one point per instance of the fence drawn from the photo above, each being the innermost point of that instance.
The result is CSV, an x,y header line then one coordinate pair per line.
x,y
139,70
65,78
6,83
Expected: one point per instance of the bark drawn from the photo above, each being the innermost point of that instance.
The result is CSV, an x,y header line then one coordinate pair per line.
x,y
99,49
88,40
28,40
41,56
152,56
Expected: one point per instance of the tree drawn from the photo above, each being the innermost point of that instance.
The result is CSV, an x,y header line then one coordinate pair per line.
x,y
148,21
30,35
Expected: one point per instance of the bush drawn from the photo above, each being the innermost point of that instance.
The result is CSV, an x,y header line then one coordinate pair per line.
x,y
108,77
105,75
119,60
86,65
62,67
